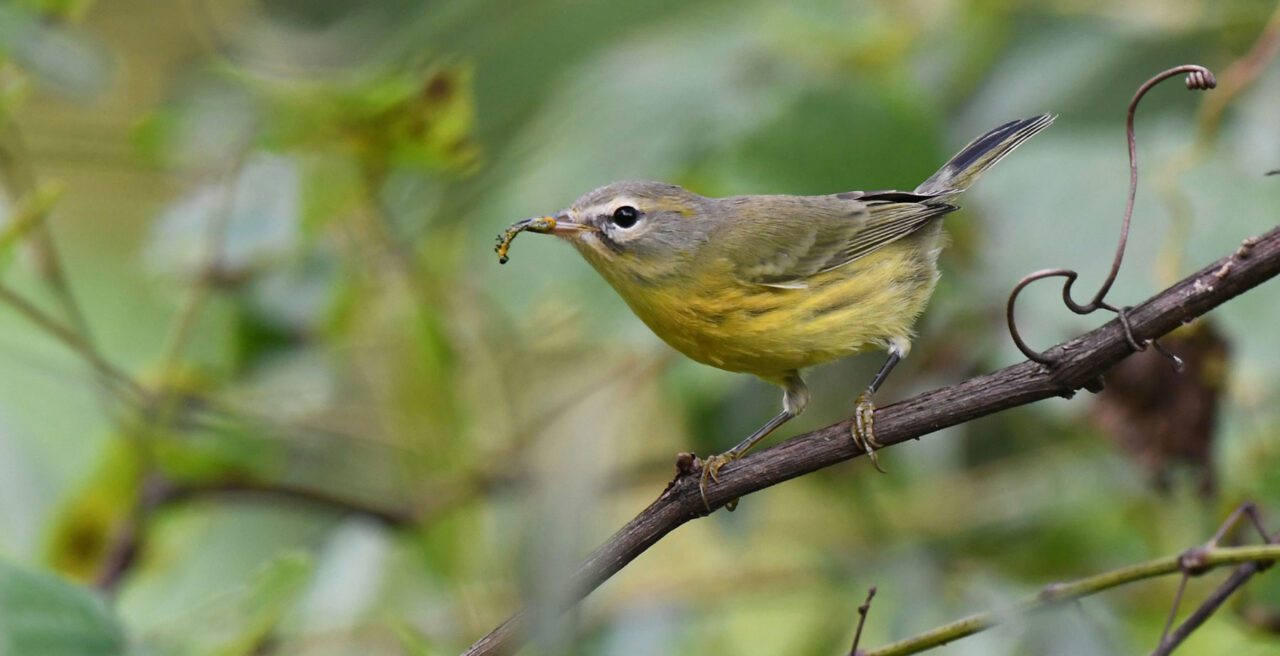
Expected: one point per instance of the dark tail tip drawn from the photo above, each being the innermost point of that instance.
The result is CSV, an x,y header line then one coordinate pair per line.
x,y
970,155
982,153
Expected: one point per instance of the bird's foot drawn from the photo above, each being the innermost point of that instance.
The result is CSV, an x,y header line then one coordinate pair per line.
x,y
710,469
864,433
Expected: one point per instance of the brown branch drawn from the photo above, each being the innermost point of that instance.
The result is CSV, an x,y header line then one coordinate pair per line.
x,y
1081,362
158,493
127,540
278,492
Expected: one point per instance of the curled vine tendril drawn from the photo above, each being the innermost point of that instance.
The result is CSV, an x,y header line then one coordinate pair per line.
x,y
1198,78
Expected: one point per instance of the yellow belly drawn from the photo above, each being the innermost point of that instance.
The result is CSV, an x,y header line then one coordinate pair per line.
x,y
769,331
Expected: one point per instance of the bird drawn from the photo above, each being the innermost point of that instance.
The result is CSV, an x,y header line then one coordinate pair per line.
x,y
770,285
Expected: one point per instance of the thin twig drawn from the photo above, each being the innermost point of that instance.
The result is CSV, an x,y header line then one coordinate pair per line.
x,y
1191,566
168,396
1173,608
157,493
131,534
278,491
72,340
20,180
1059,593
1236,78
1239,577
1080,361
862,620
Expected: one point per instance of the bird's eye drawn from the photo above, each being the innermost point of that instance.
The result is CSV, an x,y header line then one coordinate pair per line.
x,y
626,216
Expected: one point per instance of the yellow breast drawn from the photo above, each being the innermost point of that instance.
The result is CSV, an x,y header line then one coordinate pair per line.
x,y
768,331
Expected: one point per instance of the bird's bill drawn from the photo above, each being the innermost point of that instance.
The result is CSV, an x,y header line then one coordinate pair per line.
x,y
562,226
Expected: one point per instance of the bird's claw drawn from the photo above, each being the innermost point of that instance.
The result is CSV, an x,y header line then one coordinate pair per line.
x,y
864,433
710,470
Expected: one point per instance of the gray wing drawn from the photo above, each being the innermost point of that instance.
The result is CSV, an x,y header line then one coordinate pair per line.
x,y
791,238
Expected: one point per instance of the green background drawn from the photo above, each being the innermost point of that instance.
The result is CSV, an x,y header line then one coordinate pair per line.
x,y
360,434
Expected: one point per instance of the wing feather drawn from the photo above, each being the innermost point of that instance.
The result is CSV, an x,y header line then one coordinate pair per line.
x,y
791,239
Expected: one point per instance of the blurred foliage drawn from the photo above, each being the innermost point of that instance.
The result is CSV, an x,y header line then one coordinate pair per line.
x,y
40,614
239,621
82,532
275,217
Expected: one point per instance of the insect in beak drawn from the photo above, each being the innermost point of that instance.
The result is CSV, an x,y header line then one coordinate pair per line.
x,y
558,225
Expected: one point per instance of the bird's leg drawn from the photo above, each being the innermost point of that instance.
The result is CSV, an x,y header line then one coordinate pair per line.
x,y
864,410
793,402
714,463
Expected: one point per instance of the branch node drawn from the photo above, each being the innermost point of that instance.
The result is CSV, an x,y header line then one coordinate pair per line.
x,y
1192,561
862,620
686,464
1246,248
1051,592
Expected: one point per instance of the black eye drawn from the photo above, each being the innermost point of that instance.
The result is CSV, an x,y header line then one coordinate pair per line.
x,y
626,216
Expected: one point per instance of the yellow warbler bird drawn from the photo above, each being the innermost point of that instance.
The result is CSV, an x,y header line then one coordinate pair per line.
x,y
770,285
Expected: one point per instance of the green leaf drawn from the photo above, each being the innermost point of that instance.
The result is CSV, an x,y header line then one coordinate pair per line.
x,y
267,599
60,57
253,221
238,621
43,614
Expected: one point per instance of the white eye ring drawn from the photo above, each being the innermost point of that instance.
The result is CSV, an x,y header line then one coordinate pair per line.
x,y
625,217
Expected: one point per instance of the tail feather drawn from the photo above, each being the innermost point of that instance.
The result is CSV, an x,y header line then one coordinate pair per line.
x,y
981,154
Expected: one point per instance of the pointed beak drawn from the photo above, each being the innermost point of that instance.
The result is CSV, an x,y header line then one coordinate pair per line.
x,y
562,226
